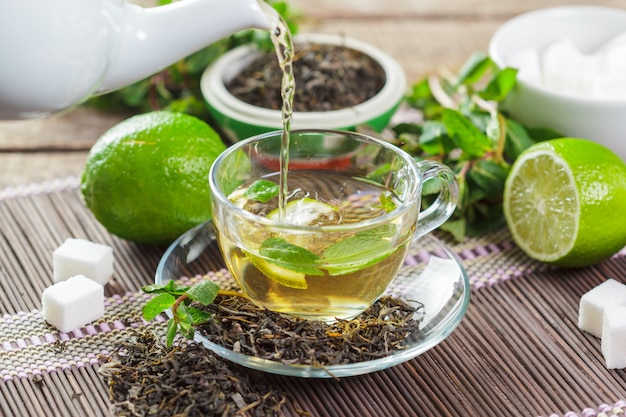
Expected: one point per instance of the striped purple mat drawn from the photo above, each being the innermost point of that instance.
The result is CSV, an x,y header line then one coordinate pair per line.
x,y
517,352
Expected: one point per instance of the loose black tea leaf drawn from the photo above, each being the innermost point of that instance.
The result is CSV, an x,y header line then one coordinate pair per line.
x,y
146,378
328,77
378,332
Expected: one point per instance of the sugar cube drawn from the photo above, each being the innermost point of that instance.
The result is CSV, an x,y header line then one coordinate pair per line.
x,y
561,66
610,293
614,53
82,257
528,64
614,337
70,304
611,87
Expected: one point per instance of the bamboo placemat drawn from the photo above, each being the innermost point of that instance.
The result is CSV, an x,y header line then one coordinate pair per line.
x,y
517,352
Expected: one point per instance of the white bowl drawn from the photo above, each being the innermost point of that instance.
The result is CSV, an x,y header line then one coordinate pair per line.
x,y
588,27
241,120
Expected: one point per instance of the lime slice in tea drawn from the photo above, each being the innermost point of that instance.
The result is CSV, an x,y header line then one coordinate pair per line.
x,y
280,275
304,212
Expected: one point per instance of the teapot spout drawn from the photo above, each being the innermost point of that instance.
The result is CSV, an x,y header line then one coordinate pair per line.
x,y
154,38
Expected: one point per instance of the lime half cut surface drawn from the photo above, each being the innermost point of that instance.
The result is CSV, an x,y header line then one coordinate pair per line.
x,y
565,202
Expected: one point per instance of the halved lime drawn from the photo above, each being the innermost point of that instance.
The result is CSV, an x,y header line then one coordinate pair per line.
x,y
565,202
303,212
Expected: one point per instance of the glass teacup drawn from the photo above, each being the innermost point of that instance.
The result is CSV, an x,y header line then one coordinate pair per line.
x,y
351,211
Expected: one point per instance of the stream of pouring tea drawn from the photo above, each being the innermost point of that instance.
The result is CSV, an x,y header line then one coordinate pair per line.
x,y
283,44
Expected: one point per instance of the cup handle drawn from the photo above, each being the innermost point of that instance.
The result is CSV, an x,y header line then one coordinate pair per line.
x,y
445,204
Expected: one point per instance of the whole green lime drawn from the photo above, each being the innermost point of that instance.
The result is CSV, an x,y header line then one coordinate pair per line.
x,y
146,179
565,202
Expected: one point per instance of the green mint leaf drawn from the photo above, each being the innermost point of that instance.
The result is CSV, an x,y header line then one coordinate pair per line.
x,y
490,176
386,202
204,292
262,191
172,328
492,129
540,134
474,68
500,86
182,314
420,91
186,329
381,232
198,316
379,173
465,134
234,170
176,289
457,228
431,139
286,255
184,319
518,139
153,288
359,251
170,288
157,305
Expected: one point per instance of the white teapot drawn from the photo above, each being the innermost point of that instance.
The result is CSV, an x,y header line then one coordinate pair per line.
x,y
55,54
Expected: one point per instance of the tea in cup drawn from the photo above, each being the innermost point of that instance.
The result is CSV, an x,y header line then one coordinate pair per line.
x,y
324,242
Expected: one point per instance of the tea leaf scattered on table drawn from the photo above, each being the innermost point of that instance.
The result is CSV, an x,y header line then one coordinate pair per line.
x,y
388,326
146,378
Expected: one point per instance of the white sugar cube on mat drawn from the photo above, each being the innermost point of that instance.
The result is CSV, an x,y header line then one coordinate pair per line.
x,y
70,304
614,337
610,293
82,257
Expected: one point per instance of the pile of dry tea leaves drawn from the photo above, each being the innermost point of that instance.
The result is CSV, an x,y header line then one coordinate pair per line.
x,y
146,378
328,77
243,327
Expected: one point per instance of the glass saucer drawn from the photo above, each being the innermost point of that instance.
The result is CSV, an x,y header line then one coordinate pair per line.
x,y
431,275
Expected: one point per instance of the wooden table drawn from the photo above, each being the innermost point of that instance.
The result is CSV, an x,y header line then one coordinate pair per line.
x,y
424,36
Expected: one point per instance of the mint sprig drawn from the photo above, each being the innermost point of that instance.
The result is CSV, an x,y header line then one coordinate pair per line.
x,y
462,126
178,298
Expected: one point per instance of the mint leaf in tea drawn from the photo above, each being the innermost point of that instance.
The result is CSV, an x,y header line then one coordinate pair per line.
x,y
262,191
